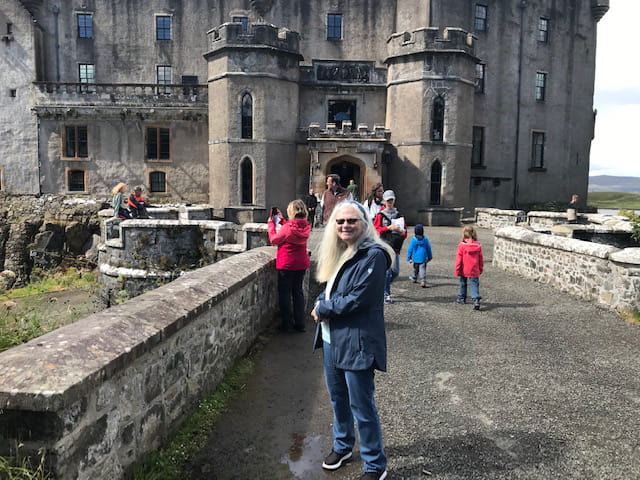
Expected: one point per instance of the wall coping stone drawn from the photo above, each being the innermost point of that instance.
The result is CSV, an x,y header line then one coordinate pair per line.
x,y
497,211
547,214
560,243
629,256
55,370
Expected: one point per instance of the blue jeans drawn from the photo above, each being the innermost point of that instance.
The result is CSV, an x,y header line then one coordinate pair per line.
x,y
351,393
392,273
474,285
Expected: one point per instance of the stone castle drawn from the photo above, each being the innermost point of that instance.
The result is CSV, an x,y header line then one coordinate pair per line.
x,y
244,104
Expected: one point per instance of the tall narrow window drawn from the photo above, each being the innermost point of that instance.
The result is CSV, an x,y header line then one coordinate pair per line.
x,y
163,27
437,120
163,77
157,182
75,142
477,151
436,183
541,86
9,28
334,26
246,181
244,21
85,25
76,181
158,143
480,18
247,116
537,150
87,75
480,73
543,30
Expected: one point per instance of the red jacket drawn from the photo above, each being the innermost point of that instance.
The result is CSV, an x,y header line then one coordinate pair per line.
x,y
469,259
291,240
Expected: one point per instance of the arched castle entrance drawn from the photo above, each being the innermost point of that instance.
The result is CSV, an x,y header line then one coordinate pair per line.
x,y
347,167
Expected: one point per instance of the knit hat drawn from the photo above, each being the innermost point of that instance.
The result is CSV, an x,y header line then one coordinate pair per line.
x,y
418,230
388,195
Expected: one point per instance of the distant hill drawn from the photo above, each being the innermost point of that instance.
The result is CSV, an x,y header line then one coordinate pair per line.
x,y
610,183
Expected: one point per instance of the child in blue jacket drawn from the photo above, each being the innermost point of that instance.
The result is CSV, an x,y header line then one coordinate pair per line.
x,y
419,254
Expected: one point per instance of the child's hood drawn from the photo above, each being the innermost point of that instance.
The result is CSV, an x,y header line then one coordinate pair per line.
x,y
472,248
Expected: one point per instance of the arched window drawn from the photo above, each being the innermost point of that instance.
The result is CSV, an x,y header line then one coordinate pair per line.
x,y
247,116
246,181
437,120
436,183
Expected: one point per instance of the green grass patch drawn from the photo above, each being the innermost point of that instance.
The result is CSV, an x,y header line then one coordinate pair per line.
x,y
21,469
615,200
168,462
45,282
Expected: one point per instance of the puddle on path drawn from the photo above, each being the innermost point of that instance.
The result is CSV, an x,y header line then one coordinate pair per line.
x,y
306,454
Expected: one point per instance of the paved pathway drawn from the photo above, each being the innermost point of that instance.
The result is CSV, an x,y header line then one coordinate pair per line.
x,y
537,385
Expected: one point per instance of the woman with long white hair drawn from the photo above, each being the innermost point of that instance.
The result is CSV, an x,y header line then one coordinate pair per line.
x,y
350,315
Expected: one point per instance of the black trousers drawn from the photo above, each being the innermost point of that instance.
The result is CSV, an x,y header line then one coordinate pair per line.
x,y
290,288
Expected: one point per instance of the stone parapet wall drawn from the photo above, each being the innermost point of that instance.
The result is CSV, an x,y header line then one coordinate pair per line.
x,y
590,271
494,218
100,393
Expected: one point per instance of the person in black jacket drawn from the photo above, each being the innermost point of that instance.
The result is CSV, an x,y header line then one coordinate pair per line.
x,y
350,315
311,201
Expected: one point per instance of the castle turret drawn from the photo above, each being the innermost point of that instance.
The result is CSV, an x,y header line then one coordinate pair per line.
x,y
430,98
253,103
599,8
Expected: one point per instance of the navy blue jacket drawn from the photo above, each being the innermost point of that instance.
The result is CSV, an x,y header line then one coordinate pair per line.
x,y
355,310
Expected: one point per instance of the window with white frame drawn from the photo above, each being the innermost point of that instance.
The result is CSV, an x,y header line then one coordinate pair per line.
x,y
87,75
163,77
163,27
543,30
541,86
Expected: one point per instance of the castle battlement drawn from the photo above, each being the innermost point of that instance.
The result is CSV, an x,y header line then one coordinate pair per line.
x,y
259,35
430,39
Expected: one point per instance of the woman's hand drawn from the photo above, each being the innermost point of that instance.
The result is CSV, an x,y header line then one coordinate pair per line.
x,y
314,315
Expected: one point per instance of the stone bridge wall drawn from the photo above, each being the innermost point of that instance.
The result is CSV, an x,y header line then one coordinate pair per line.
x,y
98,394
590,271
493,218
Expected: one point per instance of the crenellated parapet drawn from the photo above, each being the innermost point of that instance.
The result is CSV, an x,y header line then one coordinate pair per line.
x,y
599,8
430,39
259,35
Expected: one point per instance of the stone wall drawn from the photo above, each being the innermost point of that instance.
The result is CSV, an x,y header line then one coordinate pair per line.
x,y
494,218
98,394
590,271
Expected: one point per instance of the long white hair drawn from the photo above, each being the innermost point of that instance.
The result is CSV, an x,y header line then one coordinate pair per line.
x,y
333,251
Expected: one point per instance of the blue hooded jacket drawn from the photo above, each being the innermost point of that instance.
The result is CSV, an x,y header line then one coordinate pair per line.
x,y
419,250
355,310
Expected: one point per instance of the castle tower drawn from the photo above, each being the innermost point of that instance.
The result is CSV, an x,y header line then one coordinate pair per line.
x,y
253,107
430,96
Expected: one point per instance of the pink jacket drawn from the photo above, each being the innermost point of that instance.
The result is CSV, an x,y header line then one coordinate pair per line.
x,y
469,259
291,240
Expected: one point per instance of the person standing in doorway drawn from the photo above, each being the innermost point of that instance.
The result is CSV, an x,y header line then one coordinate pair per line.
x,y
333,195
311,201
353,190
374,203
572,209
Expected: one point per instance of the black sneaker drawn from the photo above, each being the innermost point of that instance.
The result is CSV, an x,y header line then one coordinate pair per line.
x,y
335,460
374,476
476,304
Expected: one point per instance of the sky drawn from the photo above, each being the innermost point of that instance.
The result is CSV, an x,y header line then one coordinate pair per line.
x,y
615,150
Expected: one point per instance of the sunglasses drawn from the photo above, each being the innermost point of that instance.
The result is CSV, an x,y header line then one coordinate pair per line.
x,y
350,221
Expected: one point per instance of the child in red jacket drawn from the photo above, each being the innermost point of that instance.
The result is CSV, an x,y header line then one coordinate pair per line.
x,y
469,266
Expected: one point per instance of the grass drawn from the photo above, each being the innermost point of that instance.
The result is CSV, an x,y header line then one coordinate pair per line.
x,y
632,317
168,462
42,282
20,469
615,200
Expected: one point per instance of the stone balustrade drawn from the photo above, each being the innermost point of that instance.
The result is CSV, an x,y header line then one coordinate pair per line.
x,y
600,273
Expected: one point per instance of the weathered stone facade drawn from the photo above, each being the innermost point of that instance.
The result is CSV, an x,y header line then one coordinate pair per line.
x,y
462,90
100,393
590,271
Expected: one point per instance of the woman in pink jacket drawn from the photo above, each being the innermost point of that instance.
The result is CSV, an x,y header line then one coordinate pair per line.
x,y
292,260
469,266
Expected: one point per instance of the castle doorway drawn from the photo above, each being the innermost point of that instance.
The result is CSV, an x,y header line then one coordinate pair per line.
x,y
347,170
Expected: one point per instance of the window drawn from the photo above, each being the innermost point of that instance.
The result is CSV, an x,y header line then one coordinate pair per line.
x,y
192,84
87,74
158,182
437,120
480,18
436,183
246,181
480,71
541,86
342,110
247,116
76,181
543,30
9,28
158,143
244,21
537,150
13,92
163,27
85,25
477,150
75,142
163,77
334,26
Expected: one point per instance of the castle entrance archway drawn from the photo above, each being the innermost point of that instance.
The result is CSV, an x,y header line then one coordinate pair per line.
x,y
347,170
